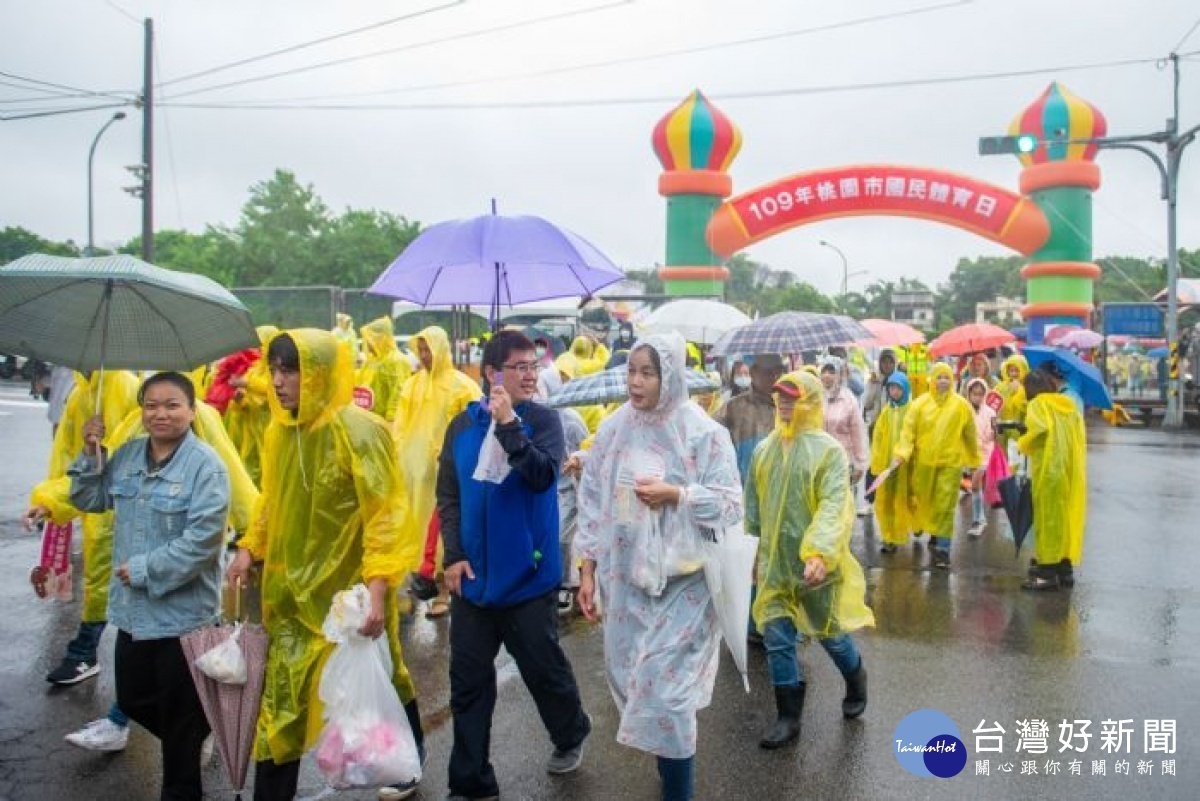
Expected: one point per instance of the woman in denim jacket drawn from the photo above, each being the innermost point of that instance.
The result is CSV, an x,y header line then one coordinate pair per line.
x,y
170,496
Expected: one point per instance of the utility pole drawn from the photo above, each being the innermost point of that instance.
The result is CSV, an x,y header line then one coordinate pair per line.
x,y
148,145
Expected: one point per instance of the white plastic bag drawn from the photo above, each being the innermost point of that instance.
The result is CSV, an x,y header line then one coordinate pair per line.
x,y
366,740
225,663
493,463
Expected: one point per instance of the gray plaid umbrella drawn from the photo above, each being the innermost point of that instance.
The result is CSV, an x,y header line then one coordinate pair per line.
x,y
610,386
790,332
117,312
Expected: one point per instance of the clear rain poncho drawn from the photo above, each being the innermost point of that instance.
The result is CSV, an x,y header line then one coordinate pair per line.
x,y
118,397
660,628
940,440
800,504
1056,444
328,518
428,402
894,502
385,369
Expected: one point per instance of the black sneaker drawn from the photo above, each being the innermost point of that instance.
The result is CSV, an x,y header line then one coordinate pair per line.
x,y
941,558
72,671
422,588
568,761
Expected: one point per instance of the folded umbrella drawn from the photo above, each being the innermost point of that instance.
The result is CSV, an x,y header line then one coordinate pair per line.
x,y
729,573
1084,377
612,386
1016,495
790,332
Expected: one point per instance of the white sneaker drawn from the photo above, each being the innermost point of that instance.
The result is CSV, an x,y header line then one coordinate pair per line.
x,y
976,529
208,750
100,735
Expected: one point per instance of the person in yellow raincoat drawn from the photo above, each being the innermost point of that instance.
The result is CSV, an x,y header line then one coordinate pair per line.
x,y
893,500
939,439
586,356
329,517
385,369
428,401
49,500
248,414
1055,440
1012,389
800,504
343,329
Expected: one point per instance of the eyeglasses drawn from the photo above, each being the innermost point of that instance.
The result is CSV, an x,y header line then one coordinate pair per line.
x,y
521,368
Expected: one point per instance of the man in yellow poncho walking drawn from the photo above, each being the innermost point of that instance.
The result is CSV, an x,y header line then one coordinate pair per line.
x,y
385,369
800,503
939,439
894,507
428,402
1055,440
328,518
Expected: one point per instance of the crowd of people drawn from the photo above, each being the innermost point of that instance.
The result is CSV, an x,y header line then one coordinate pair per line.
x,y
327,458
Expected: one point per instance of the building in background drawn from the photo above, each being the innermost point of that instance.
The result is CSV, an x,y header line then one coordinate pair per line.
x,y
1004,312
913,307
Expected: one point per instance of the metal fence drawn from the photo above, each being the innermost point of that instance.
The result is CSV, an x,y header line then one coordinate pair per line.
x,y
310,306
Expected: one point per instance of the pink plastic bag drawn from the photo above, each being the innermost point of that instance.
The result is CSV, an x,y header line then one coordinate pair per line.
x,y
997,469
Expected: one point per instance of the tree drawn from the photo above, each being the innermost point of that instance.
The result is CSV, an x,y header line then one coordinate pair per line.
x,y
16,242
212,253
978,280
277,234
357,246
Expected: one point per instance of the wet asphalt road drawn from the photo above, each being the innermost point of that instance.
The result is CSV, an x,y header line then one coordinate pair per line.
x,y
1124,644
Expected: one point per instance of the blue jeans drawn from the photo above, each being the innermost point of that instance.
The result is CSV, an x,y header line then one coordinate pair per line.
x,y
677,778
118,717
779,637
977,507
87,640
941,543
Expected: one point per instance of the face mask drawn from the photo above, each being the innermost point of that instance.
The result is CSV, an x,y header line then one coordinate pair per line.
x,y
741,381
541,352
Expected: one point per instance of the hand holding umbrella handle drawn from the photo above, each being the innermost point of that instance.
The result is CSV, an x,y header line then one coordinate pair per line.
x,y
93,434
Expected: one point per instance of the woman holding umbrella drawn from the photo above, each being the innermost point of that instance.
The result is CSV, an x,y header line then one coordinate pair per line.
x,y
1055,441
660,480
940,440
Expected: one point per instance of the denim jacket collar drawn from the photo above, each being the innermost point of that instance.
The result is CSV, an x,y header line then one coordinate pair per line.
x,y
174,469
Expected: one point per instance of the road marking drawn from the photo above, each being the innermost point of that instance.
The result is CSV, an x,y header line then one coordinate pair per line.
x,y
23,404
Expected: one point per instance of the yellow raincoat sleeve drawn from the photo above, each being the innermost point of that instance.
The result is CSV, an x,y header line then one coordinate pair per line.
x,y
908,432
243,494
828,532
386,553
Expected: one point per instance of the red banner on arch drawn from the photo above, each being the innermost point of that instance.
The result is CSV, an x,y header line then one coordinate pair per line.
x,y
964,202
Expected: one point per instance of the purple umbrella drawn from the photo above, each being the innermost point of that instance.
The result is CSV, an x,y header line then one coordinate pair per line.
x,y
495,261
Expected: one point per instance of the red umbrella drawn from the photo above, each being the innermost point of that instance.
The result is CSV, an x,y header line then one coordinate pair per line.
x,y
889,333
231,709
971,338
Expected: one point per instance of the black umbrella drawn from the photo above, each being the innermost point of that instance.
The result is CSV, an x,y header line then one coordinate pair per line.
x,y
1016,494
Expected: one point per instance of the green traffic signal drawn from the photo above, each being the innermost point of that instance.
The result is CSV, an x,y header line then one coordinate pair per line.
x,y
1004,145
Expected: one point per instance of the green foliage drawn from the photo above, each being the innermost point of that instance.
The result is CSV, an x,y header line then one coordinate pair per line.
x,y
16,242
973,281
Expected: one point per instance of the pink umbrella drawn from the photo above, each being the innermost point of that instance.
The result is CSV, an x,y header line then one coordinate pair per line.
x,y
889,333
971,338
231,709
1080,339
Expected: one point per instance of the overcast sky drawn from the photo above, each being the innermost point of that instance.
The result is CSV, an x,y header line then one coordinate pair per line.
x,y
587,166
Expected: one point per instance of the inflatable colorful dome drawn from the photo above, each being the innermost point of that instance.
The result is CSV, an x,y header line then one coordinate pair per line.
x,y
696,135
1056,117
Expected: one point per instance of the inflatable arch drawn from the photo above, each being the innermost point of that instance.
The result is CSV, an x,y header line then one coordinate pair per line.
x,y
1049,220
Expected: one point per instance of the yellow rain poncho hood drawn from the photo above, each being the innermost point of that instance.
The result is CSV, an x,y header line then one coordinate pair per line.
x,y
248,415
428,402
799,503
1013,392
329,517
385,369
590,356
118,397
1056,443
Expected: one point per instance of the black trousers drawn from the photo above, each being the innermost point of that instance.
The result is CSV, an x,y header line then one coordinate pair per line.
x,y
154,687
529,631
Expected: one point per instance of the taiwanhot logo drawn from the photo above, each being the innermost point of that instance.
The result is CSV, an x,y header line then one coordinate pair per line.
x,y
927,743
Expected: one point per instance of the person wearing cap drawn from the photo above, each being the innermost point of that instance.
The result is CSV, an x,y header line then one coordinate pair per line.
x,y
751,415
940,440
799,503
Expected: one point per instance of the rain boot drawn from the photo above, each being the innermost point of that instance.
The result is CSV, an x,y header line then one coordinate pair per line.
x,y
789,704
1066,573
855,702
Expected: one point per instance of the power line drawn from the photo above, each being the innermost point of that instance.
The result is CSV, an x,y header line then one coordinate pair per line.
x,y
18,115
1187,35
406,48
706,48
659,99
313,43
85,92
123,13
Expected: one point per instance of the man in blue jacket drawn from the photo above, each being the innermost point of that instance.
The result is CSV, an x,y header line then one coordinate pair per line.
x,y
503,567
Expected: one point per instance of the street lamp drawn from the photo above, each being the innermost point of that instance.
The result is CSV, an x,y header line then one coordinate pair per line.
x,y
120,115
846,274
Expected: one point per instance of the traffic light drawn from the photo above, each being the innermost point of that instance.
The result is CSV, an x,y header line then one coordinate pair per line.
x,y
1004,145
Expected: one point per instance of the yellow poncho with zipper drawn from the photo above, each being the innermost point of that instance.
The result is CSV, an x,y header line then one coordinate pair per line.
x,y
1013,393
117,399
1056,444
428,402
939,438
328,518
385,369
247,416
798,501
